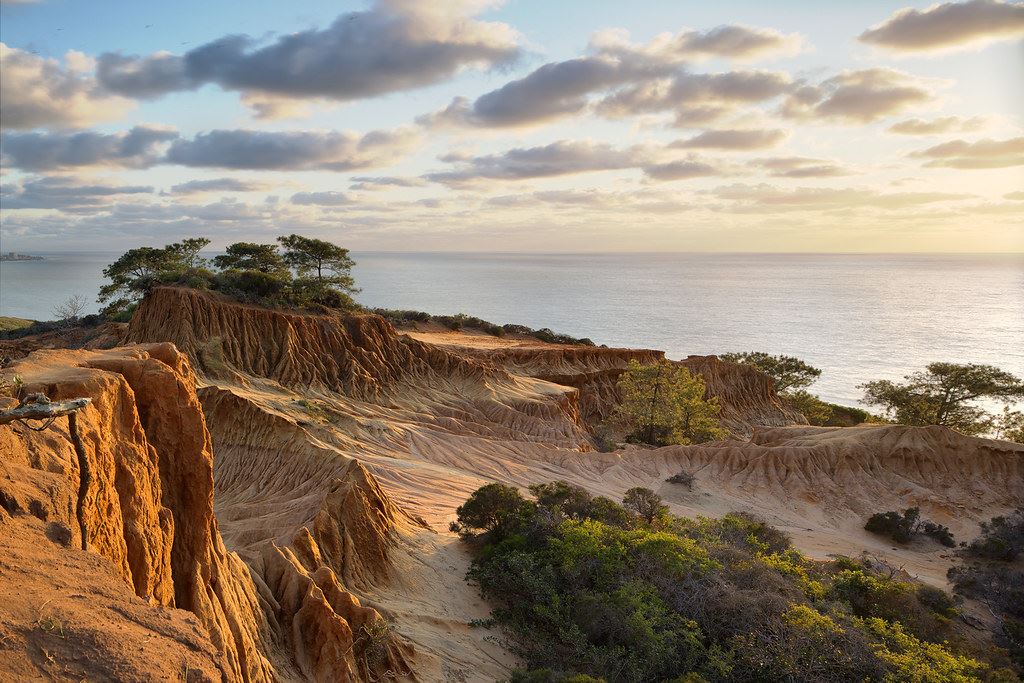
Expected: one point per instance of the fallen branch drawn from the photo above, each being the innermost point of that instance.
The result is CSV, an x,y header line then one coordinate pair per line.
x,y
38,407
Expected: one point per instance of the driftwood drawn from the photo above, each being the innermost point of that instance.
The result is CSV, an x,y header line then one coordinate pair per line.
x,y
38,407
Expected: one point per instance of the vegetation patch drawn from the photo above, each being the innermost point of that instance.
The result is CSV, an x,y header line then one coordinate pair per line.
x,y
990,571
298,272
903,527
663,403
587,589
459,321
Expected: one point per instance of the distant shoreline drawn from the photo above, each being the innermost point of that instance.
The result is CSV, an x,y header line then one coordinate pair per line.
x,y
11,256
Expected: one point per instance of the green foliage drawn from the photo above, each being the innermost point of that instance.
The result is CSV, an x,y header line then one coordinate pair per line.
x,y
496,508
662,403
581,599
253,257
322,262
924,612
684,478
1001,539
250,272
816,411
1009,425
916,661
945,394
644,503
787,373
903,527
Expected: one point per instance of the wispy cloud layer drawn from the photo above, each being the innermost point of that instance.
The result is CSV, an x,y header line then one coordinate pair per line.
x,y
981,154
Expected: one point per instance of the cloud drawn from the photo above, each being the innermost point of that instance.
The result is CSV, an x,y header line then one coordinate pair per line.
x,y
396,45
383,182
696,98
564,157
559,89
858,96
981,154
216,185
732,139
1016,196
680,170
644,201
140,147
825,198
730,41
323,198
65,194
36,92
550,92
945,124
293,150
799,167
949,26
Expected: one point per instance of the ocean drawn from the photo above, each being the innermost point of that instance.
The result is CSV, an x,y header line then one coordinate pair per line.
x,y
858,317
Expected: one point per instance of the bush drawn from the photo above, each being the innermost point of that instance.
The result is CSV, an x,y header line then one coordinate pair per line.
x,y
252,286
903,527
1001,539
685,478
580,599
644,503
495,508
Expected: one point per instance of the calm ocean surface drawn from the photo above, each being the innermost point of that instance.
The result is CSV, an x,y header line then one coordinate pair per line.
x,y
858,317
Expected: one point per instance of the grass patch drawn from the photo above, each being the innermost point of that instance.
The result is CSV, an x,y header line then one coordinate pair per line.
x,y
7,323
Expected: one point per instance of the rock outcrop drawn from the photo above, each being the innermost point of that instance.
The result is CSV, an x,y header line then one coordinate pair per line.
x,y
148,505
148,509
747,396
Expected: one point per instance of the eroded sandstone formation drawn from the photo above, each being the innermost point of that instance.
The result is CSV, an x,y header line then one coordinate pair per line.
x,y
272,496
148,510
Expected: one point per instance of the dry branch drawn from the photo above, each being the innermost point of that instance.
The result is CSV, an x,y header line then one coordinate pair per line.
x,y
38,407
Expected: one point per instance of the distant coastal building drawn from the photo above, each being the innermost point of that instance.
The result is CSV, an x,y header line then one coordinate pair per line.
x,y
12,256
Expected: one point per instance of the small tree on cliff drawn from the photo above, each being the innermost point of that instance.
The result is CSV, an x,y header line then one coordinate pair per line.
x,y
663,404
326,263
787,372
945,394
138,269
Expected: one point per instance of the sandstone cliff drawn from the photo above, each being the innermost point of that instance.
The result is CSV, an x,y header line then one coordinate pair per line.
x,y
148,509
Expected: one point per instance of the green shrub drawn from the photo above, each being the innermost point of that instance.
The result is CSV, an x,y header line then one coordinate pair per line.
x,y
685,478
1001,539
579,598
903,527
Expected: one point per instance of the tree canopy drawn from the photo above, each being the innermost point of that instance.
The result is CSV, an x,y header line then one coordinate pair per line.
x,y
251,256
327,263
787,372
662,403
945,394
137,269
310,273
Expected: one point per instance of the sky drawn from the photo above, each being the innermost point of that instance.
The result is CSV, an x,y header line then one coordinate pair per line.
x,y
526,125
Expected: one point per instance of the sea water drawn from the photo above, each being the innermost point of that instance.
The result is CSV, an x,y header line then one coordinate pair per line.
x,y
857,317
